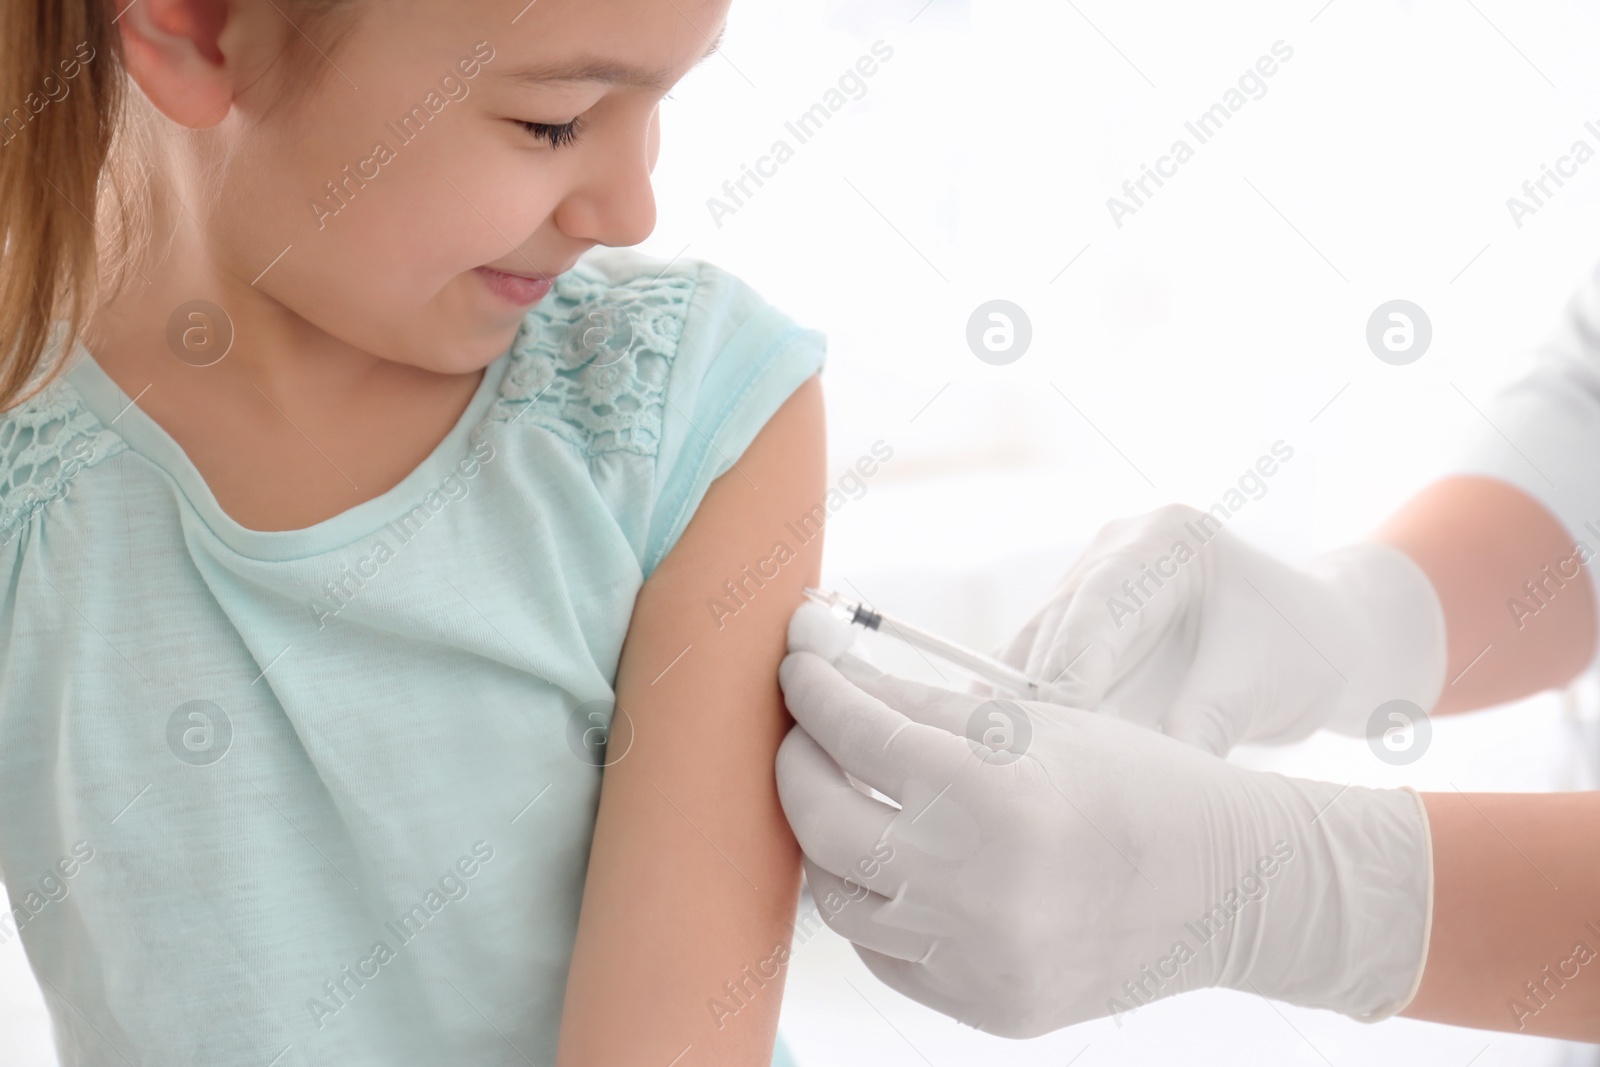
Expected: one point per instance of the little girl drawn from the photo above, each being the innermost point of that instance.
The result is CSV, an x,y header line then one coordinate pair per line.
x,y
355,525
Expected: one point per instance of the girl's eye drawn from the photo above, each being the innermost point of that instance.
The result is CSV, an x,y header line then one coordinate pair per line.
x,y
553,135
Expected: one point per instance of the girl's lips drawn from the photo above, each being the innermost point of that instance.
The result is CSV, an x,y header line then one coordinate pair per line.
x,y
514,288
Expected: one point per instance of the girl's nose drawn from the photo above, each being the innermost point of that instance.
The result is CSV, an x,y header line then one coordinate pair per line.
x,y
613,202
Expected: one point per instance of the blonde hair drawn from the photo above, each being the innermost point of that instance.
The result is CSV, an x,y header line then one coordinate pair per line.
x,y
50,172
73,205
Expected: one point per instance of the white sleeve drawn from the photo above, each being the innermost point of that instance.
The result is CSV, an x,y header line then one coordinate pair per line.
x,y
1544,432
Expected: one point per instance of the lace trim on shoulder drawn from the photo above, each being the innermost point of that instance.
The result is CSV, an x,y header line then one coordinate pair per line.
x,y
591,361
44,444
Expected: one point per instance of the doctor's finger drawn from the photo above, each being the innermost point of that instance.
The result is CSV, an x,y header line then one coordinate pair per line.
x,y
1200,713
865,736
1095,638
1118,539
915,981
931,705
857,914
838,826
1017,650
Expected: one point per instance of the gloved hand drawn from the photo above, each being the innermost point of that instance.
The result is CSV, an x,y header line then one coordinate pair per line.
x,y
1079,866
1173,622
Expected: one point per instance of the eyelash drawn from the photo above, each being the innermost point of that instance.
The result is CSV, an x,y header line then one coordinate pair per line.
x,y
553,135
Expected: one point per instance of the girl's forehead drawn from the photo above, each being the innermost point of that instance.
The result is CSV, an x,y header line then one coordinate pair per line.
x,y
646,41
566,47
597,68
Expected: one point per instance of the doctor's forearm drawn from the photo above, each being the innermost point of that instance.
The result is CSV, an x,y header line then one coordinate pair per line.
x,y
1516,914
1480,542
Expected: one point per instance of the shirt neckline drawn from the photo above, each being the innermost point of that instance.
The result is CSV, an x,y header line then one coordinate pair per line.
x,y
145,436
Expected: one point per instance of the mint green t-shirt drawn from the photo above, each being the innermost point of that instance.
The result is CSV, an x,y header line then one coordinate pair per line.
x,y
325,796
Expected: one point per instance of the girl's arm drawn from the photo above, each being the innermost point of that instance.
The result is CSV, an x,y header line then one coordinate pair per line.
x,y
1516,905
1518,603
1516,914
694,875
1515,943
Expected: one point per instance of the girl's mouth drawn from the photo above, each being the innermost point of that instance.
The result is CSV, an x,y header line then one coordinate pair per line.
x,y
514,288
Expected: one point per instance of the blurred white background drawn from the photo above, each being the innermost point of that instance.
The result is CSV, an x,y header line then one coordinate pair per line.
x,y
1167,354
1225,315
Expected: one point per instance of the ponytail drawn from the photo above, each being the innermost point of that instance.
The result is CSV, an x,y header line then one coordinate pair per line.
x,y
76,148
62,90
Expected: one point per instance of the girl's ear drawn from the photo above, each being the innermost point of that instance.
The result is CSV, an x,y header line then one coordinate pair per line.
x,y
173,51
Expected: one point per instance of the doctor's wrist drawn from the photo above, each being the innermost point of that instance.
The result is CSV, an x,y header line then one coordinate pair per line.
x,y
1348,925
1396,628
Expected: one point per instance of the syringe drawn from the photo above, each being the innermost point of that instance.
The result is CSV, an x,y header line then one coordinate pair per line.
x,y
1000,675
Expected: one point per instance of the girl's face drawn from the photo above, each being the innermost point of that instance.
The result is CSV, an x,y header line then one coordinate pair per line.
x,y
452,151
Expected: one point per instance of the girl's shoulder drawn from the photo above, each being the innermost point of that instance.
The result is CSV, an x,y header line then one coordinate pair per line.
x,y
45,443
592,359
623,338
659,374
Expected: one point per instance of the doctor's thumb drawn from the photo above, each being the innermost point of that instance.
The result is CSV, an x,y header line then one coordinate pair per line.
x,y
1081,681
1201,723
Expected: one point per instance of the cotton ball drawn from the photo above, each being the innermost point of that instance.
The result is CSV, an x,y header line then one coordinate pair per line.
x,y
813,628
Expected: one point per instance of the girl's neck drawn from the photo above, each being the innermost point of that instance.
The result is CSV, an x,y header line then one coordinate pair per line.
x,y
291,426
153,328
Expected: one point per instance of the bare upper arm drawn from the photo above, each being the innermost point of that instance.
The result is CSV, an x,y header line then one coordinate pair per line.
x,y
1519,608
693,873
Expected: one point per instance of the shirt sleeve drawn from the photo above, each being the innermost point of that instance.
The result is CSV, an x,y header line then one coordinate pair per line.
x,y
1543,432
738,359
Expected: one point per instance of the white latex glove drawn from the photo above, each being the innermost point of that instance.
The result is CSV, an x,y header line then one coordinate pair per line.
x,y
1173,622
1085,866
